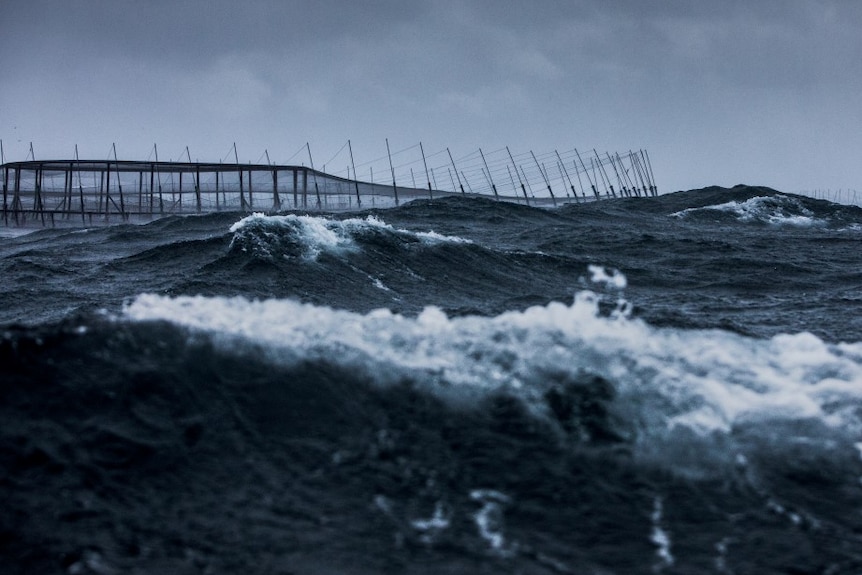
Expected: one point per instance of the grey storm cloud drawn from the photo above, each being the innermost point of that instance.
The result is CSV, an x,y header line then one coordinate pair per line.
x,y
719,92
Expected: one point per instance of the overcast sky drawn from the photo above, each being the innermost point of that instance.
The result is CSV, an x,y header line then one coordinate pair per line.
x,y
765,92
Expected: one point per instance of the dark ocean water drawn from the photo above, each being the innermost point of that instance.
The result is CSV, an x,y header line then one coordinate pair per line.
x,y
665,385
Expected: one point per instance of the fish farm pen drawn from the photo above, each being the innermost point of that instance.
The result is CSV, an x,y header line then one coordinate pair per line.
x,y
87,192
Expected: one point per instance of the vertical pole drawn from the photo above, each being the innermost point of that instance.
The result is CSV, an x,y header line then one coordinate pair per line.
x,y
39,192
653,187
80,186
197,185
623,190
640,173
107,189
241,188
276,201
460,185
636,175
544,177
626,181
563,166
512,179
180,203
394,187
159,177
606,181
520,181
647,183
304,187
217,173
488,172
295,186
592,184
580,181
563,177
355,178
152,188
313,175
140,191
430,192
67,192
16,198
120,186
523,173
250,197
466,181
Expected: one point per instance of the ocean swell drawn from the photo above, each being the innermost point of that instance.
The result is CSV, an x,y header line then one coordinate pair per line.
x,y
659,385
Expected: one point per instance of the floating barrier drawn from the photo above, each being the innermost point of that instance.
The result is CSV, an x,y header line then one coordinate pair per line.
x,y
86,192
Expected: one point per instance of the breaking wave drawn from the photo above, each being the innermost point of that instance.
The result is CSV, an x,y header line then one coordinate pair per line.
x,y
666,383
307,237
779,210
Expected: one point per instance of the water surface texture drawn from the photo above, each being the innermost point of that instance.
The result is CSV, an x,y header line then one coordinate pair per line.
x,y
663,385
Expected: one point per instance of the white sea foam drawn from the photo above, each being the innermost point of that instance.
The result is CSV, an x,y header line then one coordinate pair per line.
x,y
315,235
776,210
439,521
666,379
489,519
660,537
614,278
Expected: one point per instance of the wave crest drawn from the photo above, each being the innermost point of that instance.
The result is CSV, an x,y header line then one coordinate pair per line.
x,y
306,237
777,210
656,381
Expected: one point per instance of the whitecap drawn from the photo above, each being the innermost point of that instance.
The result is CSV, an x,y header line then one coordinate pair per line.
x,y
779,210
267,236
670,385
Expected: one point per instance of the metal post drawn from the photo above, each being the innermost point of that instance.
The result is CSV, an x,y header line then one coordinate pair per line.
x,y
430,192
250,197
217,173
276,201
355,178
523,189
460,185
304,187
107,190
606,181
490,180
394,187
571,185
592,184
197,184
547,183
159,177
16,198
39,170
314,175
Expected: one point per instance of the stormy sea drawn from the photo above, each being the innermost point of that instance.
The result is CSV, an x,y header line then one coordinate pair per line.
x,y
649,385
